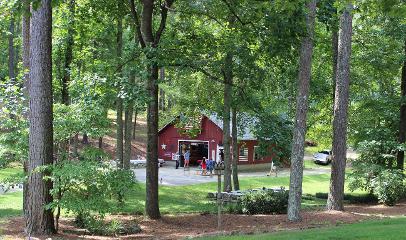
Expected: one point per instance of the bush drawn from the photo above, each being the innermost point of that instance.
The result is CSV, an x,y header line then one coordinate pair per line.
x,y
373,171
264,202
363,198
97,225
389,186
86,187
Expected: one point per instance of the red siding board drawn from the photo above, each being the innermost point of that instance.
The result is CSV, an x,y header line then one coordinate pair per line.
x,y
169,136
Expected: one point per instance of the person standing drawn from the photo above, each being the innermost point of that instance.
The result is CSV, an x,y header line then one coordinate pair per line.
x,y
204,166
187,158
176,157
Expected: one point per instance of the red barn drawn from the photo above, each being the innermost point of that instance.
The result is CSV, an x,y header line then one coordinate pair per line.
x,y
208,143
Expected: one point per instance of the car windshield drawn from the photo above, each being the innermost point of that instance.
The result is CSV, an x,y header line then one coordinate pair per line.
x,y
325,152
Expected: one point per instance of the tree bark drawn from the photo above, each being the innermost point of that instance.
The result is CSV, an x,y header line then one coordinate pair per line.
x,y
135,122
299,131
152,201
161,91
144,30
228,81
336,195
128,129
11,52
100,145
26,66
85,139
402,124
119,101
236,183
38,219
334,45
68,54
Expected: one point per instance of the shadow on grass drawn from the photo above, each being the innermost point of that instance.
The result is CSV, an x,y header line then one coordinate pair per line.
x,y
9,212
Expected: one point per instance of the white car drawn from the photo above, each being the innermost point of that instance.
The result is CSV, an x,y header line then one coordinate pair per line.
x,y
322,157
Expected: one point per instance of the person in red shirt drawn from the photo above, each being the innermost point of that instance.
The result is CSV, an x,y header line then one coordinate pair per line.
x,y
204,166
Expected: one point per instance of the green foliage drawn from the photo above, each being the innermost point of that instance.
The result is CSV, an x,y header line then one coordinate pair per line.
x,y
189,124
264,202
91,153
97,225
274,133
373,171
84,187
13,125
389,186
353,198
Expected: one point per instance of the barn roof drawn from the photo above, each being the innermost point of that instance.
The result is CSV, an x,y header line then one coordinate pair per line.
x,y
244,132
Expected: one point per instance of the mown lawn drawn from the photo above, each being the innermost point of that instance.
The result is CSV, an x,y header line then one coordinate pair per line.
x,y
386,229
184,199
10,172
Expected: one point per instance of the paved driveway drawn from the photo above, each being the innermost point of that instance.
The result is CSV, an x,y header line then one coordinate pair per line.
x,y
170,176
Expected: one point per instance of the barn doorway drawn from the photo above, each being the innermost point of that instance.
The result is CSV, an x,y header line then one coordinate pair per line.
x,y
198,150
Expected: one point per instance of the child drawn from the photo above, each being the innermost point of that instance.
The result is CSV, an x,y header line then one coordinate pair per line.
x,y
204,166
210,166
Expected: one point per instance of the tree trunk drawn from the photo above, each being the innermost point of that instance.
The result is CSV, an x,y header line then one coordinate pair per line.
x,y
235,150
228,81
100,142
68,54
161,91
85,139
135,122
26,66
299,131
38,219
152,197
402,125
75,145
146,39
152,201
334,45
11,52
119,101
336,195
128,130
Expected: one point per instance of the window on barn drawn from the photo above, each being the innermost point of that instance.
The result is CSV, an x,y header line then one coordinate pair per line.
x,y
243,154
257,154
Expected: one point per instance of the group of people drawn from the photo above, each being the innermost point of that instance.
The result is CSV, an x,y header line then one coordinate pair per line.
x,y
207,165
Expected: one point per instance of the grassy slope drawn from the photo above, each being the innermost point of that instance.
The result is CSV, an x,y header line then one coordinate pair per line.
x,y
192,198
378,230
185,199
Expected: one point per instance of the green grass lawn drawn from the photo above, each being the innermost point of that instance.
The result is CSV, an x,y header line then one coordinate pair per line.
x,y
192,198
10,172
386,229
184,199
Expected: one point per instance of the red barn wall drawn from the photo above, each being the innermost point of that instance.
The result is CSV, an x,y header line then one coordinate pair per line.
x,y
170,136
250,144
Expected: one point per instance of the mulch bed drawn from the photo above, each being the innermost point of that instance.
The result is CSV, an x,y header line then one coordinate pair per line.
x,y
194,225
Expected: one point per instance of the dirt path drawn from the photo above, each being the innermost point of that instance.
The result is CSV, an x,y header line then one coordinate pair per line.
x,y
195,225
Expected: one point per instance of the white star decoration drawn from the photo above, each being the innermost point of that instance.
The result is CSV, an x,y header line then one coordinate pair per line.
x,y
163,146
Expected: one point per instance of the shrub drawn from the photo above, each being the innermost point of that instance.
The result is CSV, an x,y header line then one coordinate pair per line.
x,y
264,202
97,225
389,186
363,198
373,171
86,187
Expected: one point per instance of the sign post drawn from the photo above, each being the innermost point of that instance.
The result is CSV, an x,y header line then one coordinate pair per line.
x,y
219,170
